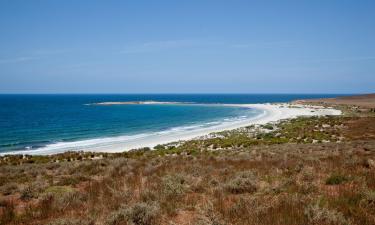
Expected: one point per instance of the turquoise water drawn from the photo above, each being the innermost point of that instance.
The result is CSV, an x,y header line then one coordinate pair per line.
x,y
29,122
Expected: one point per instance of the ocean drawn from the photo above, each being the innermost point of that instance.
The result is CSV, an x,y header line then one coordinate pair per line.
x,y
32,122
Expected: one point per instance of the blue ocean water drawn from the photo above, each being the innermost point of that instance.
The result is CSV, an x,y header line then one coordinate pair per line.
x,y
29,122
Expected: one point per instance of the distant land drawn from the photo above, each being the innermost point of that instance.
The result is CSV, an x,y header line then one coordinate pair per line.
x,y
365,101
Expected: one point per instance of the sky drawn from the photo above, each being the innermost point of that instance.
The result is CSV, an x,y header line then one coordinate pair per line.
x,y
195,46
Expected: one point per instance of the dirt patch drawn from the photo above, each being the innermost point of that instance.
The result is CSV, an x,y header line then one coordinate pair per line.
x,y
360,128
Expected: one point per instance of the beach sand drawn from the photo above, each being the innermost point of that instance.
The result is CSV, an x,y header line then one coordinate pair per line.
x,y
271,113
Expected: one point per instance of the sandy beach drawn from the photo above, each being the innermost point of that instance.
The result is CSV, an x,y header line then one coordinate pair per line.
x,y
271,113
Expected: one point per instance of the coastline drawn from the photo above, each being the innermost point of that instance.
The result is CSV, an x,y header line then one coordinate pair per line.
x,y
271,113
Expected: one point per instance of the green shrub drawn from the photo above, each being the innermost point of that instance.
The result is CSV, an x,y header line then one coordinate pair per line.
x,y
268,126
28,193
159,147
336,179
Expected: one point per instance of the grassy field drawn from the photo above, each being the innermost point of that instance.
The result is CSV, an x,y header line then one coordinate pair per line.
x,y
300,171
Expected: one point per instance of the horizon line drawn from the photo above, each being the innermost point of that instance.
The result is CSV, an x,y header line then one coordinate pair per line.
x,y
186,93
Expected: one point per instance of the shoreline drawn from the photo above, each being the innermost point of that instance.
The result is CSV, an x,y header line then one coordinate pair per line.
x,y
271,113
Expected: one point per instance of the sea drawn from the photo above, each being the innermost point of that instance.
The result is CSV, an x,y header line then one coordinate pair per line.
x,y
30,122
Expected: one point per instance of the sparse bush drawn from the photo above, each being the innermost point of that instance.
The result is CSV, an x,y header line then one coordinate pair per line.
x,y
242,208
305,184
9,188
138,214
143,214
53,166
148,196
307,188
307,174
317,215
89,168
69,199
72,180
3,179
172,190
208,216
244,182
117,217
174,185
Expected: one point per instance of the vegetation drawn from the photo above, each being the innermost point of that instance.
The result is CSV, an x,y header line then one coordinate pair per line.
x,y
300,171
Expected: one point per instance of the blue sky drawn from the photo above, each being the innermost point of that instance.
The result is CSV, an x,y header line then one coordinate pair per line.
x,y
202,46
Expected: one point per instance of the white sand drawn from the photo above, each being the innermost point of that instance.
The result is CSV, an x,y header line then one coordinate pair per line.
x,y
271,113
